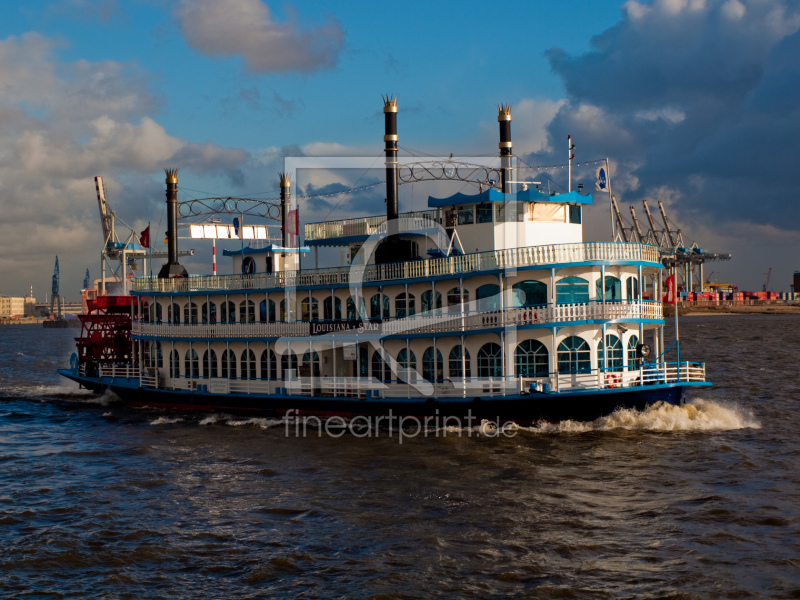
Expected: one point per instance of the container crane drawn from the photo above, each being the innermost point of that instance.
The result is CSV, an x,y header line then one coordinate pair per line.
x,y
766,281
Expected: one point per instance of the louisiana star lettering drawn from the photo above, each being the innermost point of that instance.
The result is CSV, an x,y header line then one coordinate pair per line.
x,y
354,325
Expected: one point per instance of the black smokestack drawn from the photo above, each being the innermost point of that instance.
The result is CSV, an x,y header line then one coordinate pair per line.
x,y
172,268
506,147
286,197
390,139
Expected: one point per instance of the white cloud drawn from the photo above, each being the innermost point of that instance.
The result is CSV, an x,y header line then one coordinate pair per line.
x,y
247,28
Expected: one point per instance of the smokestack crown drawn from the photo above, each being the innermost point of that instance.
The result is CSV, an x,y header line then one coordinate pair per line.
x,y
172,175
389,103
503,112
286,179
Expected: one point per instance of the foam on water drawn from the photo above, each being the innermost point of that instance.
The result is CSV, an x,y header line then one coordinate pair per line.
x,y
166,421
264,423
696,415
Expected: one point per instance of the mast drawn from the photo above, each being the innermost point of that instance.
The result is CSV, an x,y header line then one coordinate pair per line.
x,y
570,155
286,197
390,141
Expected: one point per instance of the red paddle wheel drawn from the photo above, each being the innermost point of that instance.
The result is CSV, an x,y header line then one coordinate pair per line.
x,y
106,331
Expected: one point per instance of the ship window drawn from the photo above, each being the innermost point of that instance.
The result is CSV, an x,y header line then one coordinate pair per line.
x,y
289,365
247,311
263,314
488,297
572,290
375,306
407,364
228,364
146,312
190,313
311,358
484,213
269,365
575,214
227,312
380,370
147,359
529,293
613,291
174,364
404,306
174,313
510,212
574,356
632,287
432,371
427,302
326,307
454,365
314,314
634,360
614,348
158,313
210,364
466,216
159,356
454,300
209,312
490,360
248,365
192,364
363,364
531,359
288,316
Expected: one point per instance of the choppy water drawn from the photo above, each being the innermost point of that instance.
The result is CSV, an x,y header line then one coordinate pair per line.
x,y
101,501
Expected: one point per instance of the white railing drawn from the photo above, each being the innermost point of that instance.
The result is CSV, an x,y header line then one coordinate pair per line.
x,y
366,225
415,269
115,370
438,321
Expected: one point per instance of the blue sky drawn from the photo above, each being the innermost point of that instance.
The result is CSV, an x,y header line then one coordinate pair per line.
x,y
695,102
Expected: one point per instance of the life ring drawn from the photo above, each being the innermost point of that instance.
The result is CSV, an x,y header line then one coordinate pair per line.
x,y
613,380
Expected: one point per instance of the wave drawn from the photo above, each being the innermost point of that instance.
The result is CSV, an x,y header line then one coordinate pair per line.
x,y
695,415
166,421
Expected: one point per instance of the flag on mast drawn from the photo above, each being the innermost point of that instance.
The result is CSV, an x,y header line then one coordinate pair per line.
x,y
669,295
144,238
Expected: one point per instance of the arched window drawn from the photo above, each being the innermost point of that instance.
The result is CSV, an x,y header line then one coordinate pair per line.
x,y
632,288
204,313
311,358
209,312
429,302
159,358
190,313
174,313
530,293
490,360
174,364
454,364
287,316
228,364
313,314
145,312
210,364
531,359
572,290
574,356
248,365
380,370
375,307
269,365
288,364
454,298
247,311
265,314
432,370
404,305
613,289
407,363
332,310
634,360
227,312
192,364
488,297
614,348
355,307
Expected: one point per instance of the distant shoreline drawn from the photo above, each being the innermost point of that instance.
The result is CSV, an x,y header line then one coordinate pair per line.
x,y
722,310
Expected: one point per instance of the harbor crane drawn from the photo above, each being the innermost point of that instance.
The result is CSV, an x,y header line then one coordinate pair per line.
x,y
125,249
766,280
674,251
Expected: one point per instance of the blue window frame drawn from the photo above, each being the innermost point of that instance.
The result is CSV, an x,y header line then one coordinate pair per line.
x,y
572,290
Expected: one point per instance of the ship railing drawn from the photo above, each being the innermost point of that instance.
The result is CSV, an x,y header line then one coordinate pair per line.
x,y
438,321
631,376
416,269
113,370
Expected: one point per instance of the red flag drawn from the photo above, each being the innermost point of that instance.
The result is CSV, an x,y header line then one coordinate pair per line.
x,y
144,238
669,285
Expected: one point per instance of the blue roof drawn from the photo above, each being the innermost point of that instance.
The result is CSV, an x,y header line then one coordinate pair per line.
x,y
271,248
491,195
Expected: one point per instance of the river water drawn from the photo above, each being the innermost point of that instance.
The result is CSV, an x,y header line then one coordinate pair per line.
x,y
101,501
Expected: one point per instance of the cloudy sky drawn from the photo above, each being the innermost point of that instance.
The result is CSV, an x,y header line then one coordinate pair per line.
x,y
695,102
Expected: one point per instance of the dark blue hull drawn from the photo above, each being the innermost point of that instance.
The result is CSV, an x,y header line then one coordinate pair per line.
x,y
574,405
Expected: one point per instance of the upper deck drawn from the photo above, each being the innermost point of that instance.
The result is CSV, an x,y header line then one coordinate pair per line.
x,y
466,265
